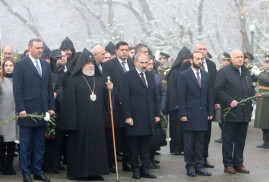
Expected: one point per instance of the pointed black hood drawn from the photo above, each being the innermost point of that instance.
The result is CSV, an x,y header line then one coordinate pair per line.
x,y
46,51
184,53
67,44
85,57
110,48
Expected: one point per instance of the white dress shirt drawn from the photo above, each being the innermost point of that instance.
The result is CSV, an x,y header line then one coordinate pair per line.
x,y
143,74
38,62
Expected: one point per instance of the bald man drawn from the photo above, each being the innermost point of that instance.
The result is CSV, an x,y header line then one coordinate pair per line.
x,y
233,82
99,56
7,52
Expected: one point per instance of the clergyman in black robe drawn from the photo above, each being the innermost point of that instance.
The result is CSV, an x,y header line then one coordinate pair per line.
x,y
176,144
83,107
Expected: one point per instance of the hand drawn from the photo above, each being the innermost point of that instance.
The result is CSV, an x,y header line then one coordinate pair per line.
x,y
234,103
55,95
209,117
217,106
129,121
259,98
184,119
23,114
109,85
157,119
51,112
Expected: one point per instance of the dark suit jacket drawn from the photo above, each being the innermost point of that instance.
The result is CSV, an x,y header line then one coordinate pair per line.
x,y
139,103
195,103
212,70
114,69
31,92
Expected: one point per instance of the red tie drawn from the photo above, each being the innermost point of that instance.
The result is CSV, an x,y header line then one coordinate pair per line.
x,y
143,79
199,79
203,67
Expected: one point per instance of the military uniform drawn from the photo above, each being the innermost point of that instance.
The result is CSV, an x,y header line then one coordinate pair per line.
x,y
163,70
250,65
262,114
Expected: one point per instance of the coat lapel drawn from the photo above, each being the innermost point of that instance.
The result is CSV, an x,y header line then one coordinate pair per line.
x,y
30,64
203,78
193,77
118,66
130,64
138,77
43,68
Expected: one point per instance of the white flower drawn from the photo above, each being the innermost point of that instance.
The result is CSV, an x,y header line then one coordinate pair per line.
x,y
47,117
168,139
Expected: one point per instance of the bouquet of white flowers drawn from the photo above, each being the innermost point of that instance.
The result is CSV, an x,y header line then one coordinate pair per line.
x,y
50,119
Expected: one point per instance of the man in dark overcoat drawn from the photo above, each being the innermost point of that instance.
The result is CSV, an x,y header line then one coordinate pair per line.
x,y
196,108
140,110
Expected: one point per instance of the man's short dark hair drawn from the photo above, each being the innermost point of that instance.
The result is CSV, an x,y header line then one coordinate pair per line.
x,y
121,43
34,40
194,52
131,48
138,47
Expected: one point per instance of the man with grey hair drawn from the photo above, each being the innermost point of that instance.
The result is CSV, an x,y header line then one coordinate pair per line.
x,y
141,48
8,52
233,83
99,55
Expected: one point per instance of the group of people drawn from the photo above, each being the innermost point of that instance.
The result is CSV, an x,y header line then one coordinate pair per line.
x,y
76,87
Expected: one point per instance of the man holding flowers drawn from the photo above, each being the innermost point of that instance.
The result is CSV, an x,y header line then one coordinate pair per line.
x,y
33,93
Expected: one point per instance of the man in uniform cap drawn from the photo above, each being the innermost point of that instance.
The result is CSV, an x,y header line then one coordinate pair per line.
x,y
226,59
262,115
164,67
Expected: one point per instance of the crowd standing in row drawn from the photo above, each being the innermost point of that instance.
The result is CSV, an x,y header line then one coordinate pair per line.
x,y
145,90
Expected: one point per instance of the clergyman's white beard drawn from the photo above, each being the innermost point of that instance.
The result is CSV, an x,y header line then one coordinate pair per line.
x,y
88,73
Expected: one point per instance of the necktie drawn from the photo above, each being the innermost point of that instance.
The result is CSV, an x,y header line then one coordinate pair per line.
x,y
199,79
203,67
38,68
123,66
100,67
143,79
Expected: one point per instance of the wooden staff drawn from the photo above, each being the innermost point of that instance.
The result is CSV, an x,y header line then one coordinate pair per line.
x,y
113,132
168,139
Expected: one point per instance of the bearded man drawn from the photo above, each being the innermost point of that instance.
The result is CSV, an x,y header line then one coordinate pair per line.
x,y
84,120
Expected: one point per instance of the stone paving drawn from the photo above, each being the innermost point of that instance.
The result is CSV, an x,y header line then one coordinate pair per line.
x,y
173,170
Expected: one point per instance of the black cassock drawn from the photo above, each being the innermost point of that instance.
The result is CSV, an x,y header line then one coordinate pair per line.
x,y
84,121
176,144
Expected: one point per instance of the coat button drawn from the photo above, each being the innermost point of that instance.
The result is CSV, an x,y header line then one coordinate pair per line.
x,y
200,107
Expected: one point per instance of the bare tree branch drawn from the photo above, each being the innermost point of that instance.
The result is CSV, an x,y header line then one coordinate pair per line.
x,y
243,29
22,19
200,17
146,10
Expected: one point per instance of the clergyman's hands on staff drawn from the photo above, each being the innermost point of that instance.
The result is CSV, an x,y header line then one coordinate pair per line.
x,y
184,119
259,98
209,117
217,106
51,112
234,103
109,85
129,121
23,114
157,119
